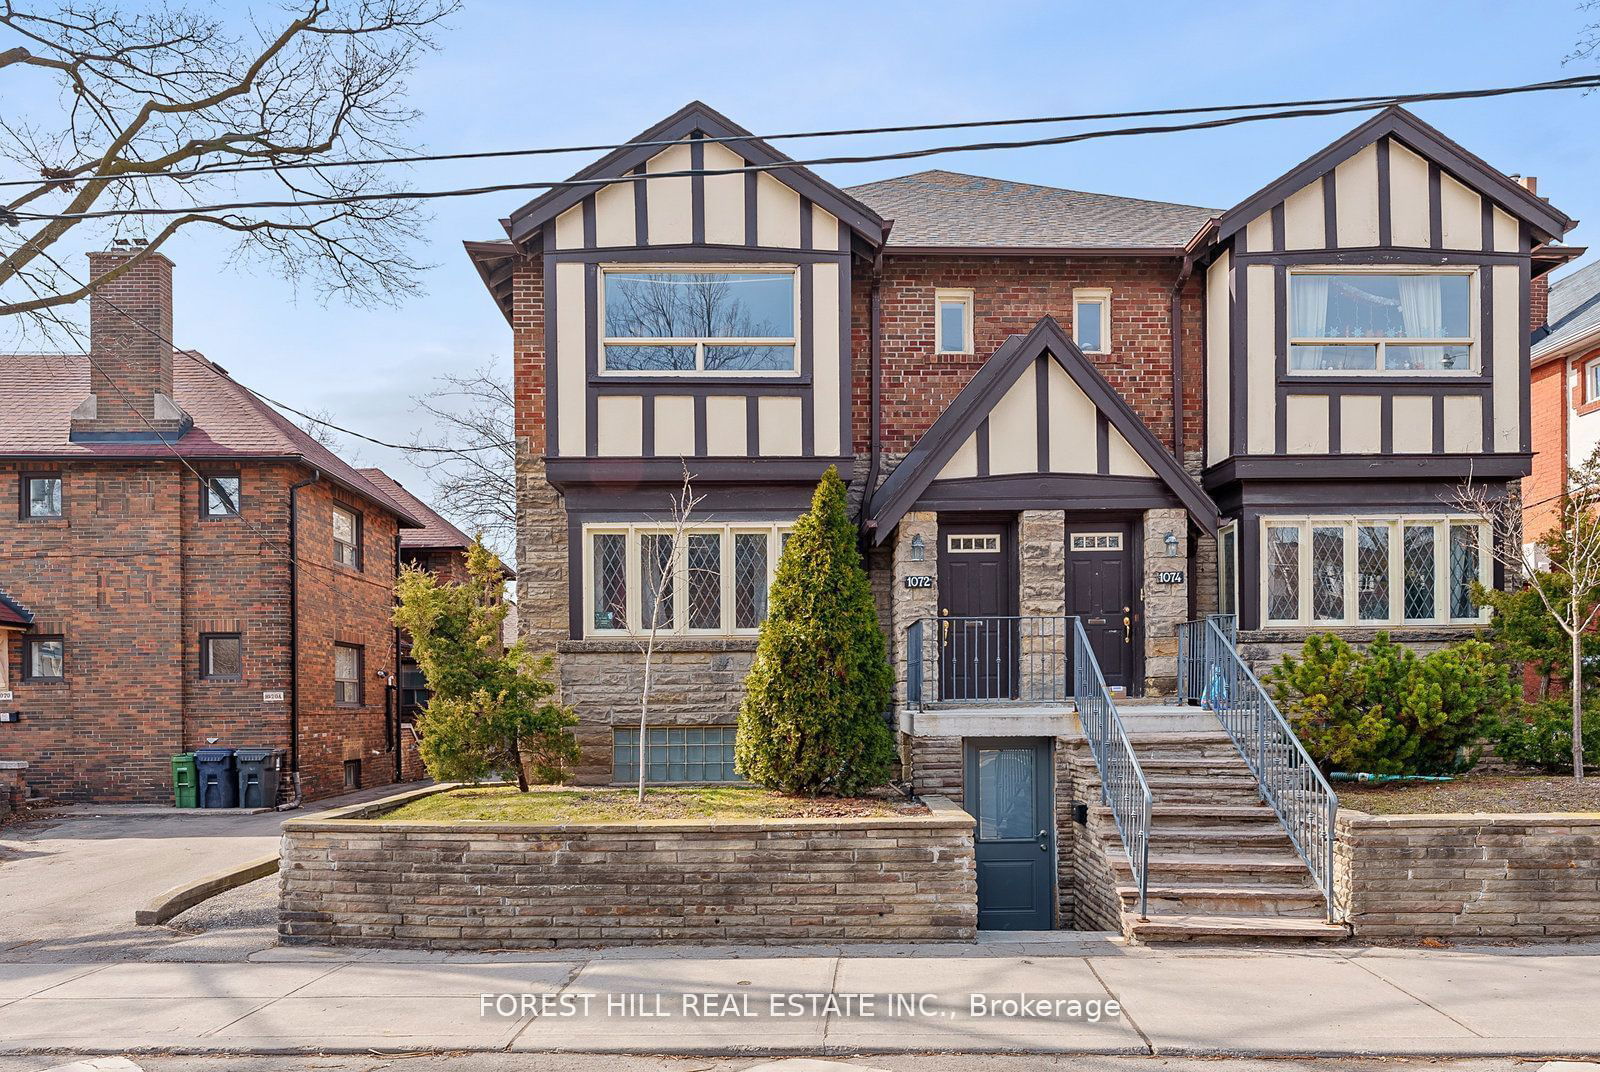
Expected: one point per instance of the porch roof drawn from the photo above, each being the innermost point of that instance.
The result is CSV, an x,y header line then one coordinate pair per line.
x,y
913,479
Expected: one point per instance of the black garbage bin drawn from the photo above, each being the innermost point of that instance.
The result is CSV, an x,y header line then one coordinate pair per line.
x,y
258,777
218,786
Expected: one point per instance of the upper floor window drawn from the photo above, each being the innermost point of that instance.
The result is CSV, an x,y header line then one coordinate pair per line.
x,y
1591,381
41,496
44,658
347,659
346,537
220,495
716,582
953,321
1091,320
1402,322
711,321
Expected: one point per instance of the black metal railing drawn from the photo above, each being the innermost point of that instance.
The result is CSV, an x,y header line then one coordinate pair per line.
x,y
1211,672
989,660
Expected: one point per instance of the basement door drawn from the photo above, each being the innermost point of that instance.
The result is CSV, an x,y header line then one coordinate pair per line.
x,y
1009,792
1100,590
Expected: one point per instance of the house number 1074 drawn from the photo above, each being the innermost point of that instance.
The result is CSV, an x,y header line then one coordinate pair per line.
x,y
1169,576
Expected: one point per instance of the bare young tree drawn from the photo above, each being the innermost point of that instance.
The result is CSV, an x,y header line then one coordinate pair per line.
x,y
476,480
170,107
1562,567
663,552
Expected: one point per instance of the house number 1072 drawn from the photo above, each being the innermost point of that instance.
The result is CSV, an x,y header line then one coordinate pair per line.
x,y
919,582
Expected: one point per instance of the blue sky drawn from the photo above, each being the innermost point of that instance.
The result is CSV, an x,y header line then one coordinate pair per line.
x,y
517,74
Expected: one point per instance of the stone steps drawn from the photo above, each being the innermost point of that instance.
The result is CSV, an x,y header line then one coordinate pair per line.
x,y
1204,814
1221,928
1198,840
1236,899
1213,869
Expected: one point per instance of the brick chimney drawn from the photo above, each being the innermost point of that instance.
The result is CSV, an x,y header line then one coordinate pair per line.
x,y
130,339
1538,289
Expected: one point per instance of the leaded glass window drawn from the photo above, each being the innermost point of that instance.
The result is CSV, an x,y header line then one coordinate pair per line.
x,y
1327,573
610,580
705,580
656,609
1417,549
749,579
1283,573
1372,573
1463,570
717,581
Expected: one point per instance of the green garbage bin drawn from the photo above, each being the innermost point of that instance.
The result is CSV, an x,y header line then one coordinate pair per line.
x,y
183,781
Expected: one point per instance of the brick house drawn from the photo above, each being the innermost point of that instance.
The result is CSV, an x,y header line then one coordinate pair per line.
x,y
1565,393
159,505
1056,410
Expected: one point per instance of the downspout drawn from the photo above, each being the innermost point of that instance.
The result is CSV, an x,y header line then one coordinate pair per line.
x,y
294,636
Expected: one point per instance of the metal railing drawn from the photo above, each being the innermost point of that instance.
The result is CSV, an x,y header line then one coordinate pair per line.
x,y
1191,669
993,659
1122,783
1288,778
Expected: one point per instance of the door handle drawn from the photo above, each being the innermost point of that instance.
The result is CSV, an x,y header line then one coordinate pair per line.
x,y
1044,841
1127,629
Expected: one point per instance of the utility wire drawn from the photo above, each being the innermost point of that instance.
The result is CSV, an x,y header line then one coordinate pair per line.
x,y
1579,82
1376,99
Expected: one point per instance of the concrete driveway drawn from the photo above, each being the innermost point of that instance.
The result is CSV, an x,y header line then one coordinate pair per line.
x,y
69,885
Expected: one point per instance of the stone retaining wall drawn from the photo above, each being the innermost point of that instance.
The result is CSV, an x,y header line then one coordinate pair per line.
x,y
351,879
1469,876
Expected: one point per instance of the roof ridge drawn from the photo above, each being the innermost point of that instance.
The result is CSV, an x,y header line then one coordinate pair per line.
x,y
1033,186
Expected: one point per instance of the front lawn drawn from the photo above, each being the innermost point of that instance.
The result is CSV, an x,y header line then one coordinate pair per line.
x,y
1501,793
565,804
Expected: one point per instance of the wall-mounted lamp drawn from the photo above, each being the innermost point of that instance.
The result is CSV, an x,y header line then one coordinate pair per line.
x,y
918,549
1171,541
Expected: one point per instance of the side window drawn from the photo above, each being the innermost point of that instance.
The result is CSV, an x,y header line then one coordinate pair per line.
x,y
1591,381
41,495
347,659
952,325
1091,320
44,658
221,657
346,537
219,495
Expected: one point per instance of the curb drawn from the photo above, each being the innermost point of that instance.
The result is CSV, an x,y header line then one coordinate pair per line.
x,y
182,898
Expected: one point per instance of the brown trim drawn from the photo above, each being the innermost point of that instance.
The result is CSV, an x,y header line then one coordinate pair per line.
x,y
752,425
1335,422
700,426
752,218
1041,417
697,189
1238,353
641,210
647,425
807,354
564,473
1486,354
1279,242
552,412
589,239
1280,357
1049,491
1438,425
1368,255
1330,211
1524,352
1385,189
980,439
690,252
690,384
1034,251
1370,466
1436,208
591,355
1102,445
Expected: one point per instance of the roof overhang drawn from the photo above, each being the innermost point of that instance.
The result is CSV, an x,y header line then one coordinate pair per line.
x,y
496,265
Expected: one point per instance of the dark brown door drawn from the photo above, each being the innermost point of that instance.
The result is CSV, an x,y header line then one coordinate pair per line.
x,y
1100,590
977,609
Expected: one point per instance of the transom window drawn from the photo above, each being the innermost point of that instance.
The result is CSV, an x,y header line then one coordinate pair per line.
x,y
716,583
675,754
691,320
972,545
1091,320
1097,541
953,321
1402,322
1328,571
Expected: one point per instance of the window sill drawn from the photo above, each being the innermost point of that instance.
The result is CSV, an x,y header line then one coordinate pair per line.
x,y
664,644
1362,634
1378,379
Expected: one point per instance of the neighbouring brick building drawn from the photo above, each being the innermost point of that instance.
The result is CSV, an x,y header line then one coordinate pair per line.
x,y
1565,390
150,605
1057,410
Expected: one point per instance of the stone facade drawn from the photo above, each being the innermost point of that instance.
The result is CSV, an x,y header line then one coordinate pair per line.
x,y
1166,605
1264,649
349,878
910,604
1469,876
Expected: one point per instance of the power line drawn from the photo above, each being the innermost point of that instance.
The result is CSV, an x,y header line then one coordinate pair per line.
x,y
906,128
1578,82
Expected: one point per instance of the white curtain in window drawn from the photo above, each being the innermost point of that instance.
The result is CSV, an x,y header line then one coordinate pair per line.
x,y
1422,312
1309,319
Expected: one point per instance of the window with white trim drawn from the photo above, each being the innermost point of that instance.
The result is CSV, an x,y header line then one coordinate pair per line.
x,y
715,584
1591,381
1228,568
1091,320
1097,541
699,321
952,321
973,545
1364,571
1384,322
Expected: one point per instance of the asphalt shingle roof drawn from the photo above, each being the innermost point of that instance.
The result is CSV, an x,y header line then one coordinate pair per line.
x,y
1574,309
949,209
436,532
38,393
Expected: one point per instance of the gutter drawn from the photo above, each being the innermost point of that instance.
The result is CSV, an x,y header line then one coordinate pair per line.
x,y
294,635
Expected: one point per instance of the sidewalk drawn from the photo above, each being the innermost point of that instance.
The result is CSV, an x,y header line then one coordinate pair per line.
x,y
1176,1001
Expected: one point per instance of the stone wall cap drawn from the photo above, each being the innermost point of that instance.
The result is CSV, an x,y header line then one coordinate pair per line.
x,y
664,645
943,814
1356,817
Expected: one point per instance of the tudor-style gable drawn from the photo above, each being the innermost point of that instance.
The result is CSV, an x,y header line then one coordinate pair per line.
x,y
1038,427
1372,303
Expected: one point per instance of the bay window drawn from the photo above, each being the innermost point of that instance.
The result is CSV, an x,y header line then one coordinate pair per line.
x,y
1381,322
688,321
1228,568
1336,571
715,584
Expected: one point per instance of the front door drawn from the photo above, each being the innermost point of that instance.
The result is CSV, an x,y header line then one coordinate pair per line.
x,y
1008,792
1100,590
977,609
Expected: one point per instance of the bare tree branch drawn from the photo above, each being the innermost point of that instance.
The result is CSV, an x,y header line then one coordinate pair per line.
x,y
476,482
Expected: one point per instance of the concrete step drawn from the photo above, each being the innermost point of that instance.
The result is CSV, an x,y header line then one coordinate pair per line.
x,y
1216,869
1256,899
1240,928
1138,721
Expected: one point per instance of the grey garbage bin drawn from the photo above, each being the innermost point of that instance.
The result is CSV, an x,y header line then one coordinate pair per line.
x,y
218,786
258,777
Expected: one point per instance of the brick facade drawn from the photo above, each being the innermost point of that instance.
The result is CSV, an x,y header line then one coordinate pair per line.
x,y
349,880
1542,490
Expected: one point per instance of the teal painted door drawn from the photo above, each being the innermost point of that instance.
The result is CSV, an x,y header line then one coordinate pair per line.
x,y
1009,793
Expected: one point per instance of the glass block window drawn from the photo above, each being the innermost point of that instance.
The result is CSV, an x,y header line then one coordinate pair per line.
x,y
1283,573
749,579
675,754
1372,573
610,580
657,590
1327,573
1464,569
717,582
705,580
1419,572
